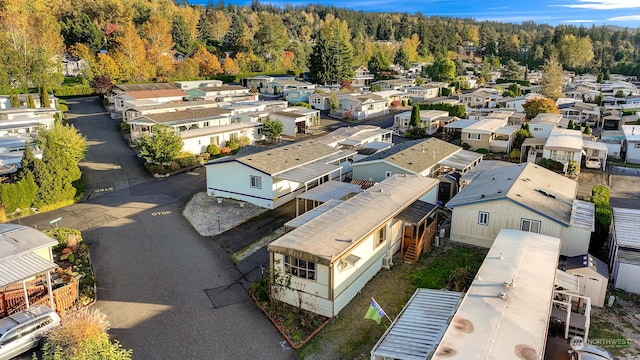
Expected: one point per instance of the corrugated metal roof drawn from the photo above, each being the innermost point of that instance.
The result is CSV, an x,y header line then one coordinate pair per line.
x,y
569,140
23,266
417,212
462,160
309,172
18,239
16,124
627,227
505,312
583,214
330,190
483,166
567,281
417,330
312,214
486,125
325,238
629,256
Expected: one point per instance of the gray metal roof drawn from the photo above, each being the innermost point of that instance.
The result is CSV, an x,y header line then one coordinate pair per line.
x,y
186,116
567,281
15,124
416,156
20,267
627,227
587,261
330,190
282,158
483,166
417,212
534,187
18,239
418,329
312,214
629,256
462,160
308,172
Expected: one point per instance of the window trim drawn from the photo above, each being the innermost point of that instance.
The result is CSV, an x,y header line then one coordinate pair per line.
x,y
476,136
531,221
293,267
481,215
255,182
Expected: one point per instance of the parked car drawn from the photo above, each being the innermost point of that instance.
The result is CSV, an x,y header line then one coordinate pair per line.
x,y
592,163
25,330
591,352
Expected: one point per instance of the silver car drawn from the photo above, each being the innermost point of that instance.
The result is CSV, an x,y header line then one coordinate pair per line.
x,y
25,330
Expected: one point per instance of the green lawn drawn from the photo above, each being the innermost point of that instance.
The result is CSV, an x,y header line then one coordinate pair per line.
x,y
351,336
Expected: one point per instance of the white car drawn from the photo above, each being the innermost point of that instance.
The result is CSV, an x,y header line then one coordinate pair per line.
x,y
592,163
591,352
26,329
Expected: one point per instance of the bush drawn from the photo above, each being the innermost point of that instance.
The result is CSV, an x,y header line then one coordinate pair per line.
x,y
465,146
203,158
404,102
71,91
62,235
514,155
124,127
396,103
185,159
233,144
19,195
552,165
213,149
483,151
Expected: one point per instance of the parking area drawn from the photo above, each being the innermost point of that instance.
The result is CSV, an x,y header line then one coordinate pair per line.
x,y
622,183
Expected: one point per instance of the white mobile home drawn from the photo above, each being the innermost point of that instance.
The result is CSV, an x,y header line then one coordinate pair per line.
x,y
333,256
624,250
524,197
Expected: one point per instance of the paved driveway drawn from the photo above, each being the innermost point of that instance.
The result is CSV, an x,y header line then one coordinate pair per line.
x,y
168,292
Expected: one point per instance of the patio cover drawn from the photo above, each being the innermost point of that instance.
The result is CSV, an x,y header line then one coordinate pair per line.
x,y
307,173
567,281
23,266
330,190
417,212
311,214
463,160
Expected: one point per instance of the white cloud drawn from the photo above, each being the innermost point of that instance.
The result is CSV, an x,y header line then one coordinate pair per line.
x,y
604,4
625,18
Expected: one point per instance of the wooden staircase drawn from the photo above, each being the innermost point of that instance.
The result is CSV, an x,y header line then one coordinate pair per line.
x,y
411,254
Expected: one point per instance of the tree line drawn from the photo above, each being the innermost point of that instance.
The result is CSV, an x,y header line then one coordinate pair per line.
x,y
132,41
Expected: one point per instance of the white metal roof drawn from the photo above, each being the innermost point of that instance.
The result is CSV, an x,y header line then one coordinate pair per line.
x,y
485,126
567,281
417,330
19,239
312,214
564,139
330,190
583,214
631,132
460,124
325,238
627,227
19,267
588,144
505,312
308,172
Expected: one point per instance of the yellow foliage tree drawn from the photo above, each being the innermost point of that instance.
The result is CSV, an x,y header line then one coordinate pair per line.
x,y
156,35
105,65
410,47
208,63
229,66
130,54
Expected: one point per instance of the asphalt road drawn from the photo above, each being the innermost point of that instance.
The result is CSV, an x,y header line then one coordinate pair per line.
x,y
168,292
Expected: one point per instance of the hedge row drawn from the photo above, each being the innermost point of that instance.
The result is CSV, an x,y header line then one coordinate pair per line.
x,y
69,91
600,197
18,195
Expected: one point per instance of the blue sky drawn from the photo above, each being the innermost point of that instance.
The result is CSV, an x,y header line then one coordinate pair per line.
x,y
624,13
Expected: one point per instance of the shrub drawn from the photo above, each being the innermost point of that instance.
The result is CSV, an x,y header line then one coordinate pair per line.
x,y
244,141
185,159
233,144
409,102
396,103
404,102
225,151
213,149
62,235
19,195
483,151
514,155
552,165
203,158
71,91
124,127
465,146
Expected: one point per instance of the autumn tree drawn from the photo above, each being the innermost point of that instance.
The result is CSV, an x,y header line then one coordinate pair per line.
x,y
102,84
208,63
575,52
229,66
159,44
330,61
551,81
162,146
410,46
214,25
189,69
130,54
538,105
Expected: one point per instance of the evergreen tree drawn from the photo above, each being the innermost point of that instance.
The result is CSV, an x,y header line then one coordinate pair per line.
x,y
331,58
551,81
31,104
162,146
44,98
14,101
415,116
233,40
181,35
402,59
272,129
378,64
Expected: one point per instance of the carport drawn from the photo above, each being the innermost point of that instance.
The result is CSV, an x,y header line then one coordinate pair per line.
x,y
462,161
596,149
325,192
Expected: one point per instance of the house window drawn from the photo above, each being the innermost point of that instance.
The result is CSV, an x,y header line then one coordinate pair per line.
x,y
256,182
561,156
483,218
530,225
381,236
300,268
233,136
472,136
637,145
214,140
537,129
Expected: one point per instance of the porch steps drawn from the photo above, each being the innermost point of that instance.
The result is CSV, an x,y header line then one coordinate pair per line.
x,y
411,254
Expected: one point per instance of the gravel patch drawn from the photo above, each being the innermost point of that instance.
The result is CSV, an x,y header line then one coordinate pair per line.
x,y
208,217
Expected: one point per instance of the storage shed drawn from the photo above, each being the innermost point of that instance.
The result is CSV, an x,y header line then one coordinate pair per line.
x,y
624,250
593,277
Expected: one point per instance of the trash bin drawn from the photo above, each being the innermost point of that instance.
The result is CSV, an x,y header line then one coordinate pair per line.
x,y
555,326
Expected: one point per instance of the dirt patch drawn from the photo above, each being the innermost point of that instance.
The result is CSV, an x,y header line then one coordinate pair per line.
x,y
211,216
617,329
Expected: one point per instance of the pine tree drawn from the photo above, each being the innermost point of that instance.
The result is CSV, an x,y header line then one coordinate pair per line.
x,y
331,58
14,101
415,116
31,104
44,98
